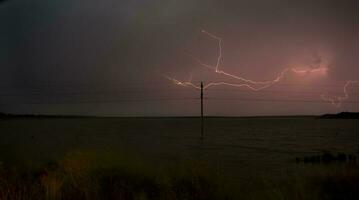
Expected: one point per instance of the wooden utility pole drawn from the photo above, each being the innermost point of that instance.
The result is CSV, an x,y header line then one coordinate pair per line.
x,y
202,131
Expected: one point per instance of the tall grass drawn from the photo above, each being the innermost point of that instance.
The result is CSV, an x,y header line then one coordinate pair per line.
x,y
106,175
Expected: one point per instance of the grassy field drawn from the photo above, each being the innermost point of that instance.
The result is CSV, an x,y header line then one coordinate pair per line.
x,y
165,158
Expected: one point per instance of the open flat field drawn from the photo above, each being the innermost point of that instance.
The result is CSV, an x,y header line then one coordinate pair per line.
x,y
237,148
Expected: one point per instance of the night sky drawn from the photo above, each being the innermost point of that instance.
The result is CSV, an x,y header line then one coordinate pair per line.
x,y
108,57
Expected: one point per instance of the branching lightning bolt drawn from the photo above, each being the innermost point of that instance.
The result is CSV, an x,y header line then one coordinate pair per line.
x,y
337,101
251,84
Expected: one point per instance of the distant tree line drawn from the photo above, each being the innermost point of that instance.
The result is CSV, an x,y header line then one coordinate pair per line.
x,y
9,115
342,115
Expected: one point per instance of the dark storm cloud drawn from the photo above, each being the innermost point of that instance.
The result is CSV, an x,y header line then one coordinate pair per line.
x,y
104,43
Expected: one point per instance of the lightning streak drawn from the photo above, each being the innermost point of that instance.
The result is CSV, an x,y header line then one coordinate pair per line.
x,y
182,83
265,84
251,84
322,70
337,101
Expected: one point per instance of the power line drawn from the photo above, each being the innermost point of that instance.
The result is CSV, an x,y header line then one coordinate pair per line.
x,y
102,101
273,100
118,92
174,99
280,91
157,83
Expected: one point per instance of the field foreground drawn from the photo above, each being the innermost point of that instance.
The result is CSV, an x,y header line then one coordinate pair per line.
x,y
165,158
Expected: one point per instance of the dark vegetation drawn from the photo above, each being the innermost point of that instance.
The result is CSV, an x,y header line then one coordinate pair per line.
x,y
327,157
102,176
106,176
342,115
101,172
